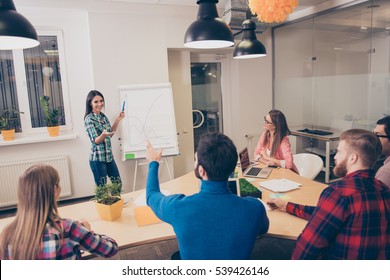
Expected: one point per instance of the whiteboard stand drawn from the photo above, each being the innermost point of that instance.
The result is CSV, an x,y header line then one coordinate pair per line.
x,y
145,163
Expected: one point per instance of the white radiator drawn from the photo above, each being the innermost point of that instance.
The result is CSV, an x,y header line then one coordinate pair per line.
x,y
10,172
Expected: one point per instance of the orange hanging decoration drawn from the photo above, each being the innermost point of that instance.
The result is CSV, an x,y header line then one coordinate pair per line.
x,y
272,10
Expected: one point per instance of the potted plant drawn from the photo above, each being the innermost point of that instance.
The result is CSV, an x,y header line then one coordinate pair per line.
x,y
109,203
52,115
8,122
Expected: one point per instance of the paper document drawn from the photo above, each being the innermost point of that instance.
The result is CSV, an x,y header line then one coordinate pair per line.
x,y
280,185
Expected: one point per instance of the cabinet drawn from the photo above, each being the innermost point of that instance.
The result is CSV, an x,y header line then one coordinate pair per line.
x,y
322,145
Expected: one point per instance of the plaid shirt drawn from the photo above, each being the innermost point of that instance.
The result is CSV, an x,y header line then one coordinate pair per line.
x,y
94,125
350,221
75,237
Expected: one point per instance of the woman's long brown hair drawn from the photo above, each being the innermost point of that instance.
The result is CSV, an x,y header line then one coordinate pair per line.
x,y
281,130
37,206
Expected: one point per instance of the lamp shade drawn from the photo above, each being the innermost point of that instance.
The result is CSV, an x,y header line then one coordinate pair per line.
x,y
16,32
208,31
249,47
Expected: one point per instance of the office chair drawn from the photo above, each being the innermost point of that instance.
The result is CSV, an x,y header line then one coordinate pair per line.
x,y
309,165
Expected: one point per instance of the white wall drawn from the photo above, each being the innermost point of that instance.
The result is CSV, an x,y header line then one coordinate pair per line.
x,y
251,94
180,77
111,44
75,27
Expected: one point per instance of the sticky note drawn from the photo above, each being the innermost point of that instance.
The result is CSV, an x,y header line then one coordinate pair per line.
x,y
145,216
280,196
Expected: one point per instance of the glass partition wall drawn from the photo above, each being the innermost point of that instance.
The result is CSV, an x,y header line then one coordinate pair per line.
x,y
331,71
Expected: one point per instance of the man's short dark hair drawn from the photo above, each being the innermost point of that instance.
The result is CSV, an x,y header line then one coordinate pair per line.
x,y
217,154
386,122
365,143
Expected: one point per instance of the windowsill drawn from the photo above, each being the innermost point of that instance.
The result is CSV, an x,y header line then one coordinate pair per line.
x,y
37,138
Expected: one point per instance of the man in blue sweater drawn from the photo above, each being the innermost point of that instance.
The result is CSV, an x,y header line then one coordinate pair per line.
x,y
214,223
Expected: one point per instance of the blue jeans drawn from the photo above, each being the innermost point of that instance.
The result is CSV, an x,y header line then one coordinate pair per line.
x,y
102,169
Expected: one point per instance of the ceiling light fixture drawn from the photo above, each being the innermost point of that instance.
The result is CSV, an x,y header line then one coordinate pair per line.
x,y
249,47
208,31
16,32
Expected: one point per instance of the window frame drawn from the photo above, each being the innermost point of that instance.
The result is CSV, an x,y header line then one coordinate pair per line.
x,y
22,89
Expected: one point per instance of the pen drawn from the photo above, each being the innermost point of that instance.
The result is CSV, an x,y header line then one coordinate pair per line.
x,y
123,106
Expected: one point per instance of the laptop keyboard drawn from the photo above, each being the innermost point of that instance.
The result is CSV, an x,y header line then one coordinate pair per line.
x,y
253,171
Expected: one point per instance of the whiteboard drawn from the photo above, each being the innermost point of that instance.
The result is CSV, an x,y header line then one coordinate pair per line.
x,y
149,115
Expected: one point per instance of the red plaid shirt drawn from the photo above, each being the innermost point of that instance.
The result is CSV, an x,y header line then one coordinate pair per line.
x,y
350,221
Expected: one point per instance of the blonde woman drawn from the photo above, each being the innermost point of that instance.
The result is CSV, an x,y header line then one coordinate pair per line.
x,y
273,148
38,232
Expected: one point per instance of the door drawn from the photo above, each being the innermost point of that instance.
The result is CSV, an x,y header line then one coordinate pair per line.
x,y
206,96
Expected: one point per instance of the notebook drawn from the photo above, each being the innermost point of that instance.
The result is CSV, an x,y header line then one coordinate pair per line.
x,y
252,171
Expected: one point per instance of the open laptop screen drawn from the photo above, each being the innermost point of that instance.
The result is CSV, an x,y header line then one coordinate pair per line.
x,y
244,159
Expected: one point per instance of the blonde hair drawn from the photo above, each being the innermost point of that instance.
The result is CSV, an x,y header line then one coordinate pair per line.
x,y
365,143
37,206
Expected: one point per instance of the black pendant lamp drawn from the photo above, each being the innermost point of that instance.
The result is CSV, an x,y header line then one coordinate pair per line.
x,y
249,47
208,31
16,32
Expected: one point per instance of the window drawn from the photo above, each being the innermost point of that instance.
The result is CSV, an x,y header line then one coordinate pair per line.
x,y
26,75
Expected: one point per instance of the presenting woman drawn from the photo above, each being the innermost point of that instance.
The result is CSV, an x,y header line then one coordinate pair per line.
x,y
273,148
99,130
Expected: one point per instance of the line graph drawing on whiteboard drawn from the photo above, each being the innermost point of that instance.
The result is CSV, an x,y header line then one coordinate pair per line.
x,y
149,116
151,127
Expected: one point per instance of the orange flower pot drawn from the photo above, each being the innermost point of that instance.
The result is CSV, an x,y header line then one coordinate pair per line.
x,y
53,130
110,212
8,135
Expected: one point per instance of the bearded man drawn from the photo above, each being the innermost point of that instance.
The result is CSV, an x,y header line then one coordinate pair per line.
x,y
352,217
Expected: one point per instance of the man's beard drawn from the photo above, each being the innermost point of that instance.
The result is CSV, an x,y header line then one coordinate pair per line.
x,y
196,171
340,170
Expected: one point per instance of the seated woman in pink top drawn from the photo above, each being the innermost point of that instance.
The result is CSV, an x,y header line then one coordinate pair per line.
x,y
273,147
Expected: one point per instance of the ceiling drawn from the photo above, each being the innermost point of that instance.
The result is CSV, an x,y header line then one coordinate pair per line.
x,y
221,4
344,19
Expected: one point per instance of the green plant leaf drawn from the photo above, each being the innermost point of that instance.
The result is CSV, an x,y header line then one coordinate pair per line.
x,y
52,115
108,193
9,118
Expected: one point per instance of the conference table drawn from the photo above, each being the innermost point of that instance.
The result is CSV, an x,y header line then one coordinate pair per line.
x,y
128,233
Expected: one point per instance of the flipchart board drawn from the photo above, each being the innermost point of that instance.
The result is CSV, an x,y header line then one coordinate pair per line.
x,y
149,115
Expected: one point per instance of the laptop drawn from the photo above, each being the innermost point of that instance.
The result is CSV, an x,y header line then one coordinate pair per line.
x,y
252,171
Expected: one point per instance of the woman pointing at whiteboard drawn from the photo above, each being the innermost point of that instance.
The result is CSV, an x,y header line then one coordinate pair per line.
x,y
99,130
